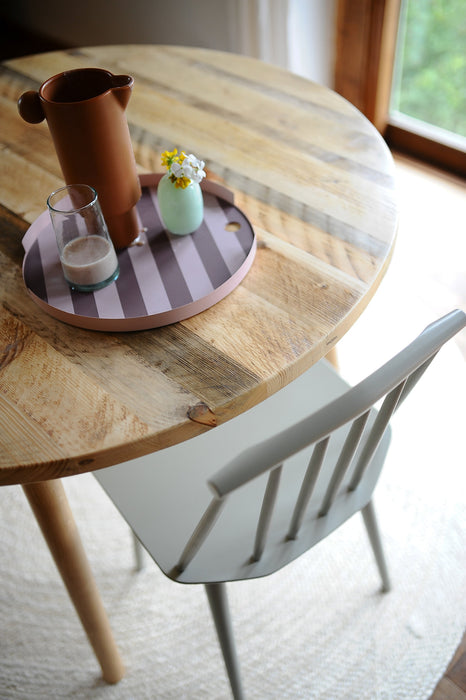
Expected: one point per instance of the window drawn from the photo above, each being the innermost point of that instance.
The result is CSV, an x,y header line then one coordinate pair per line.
x,y
428,94
382,48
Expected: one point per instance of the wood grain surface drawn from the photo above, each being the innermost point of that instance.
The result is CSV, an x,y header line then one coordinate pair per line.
x,y
314,178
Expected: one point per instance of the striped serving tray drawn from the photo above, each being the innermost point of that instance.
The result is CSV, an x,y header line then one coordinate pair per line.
x,y
163,279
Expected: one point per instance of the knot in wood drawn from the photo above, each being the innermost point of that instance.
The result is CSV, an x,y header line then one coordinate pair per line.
x,y
201,413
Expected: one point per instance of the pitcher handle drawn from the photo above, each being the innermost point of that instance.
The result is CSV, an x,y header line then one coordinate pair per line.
x,y
30,107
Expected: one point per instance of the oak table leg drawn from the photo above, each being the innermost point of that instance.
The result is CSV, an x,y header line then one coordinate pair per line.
x,y
53,513
332,357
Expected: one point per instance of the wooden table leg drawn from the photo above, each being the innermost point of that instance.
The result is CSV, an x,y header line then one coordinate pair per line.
x,y
332,357
52,510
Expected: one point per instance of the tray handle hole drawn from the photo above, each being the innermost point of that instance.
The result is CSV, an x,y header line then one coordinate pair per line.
x,y
233,226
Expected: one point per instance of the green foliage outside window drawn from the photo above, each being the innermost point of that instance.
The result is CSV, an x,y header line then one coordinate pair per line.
x,y
430,75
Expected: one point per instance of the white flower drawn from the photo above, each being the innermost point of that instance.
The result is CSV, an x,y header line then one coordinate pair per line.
x,y
198,175
176,169
193,168
183,169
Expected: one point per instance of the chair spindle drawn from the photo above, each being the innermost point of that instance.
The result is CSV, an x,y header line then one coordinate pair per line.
x,y
344,460
201,531
307,487
270,496
413,379
376,433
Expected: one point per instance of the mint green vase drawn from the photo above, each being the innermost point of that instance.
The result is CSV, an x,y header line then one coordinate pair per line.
x,y
182,210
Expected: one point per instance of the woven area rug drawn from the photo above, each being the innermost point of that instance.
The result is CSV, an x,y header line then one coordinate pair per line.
x,y
318,629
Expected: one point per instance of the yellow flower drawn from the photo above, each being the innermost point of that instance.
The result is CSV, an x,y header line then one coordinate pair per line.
x,y
182,182
169,157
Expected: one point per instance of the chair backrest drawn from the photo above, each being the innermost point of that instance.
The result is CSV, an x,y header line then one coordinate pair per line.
x,y
347,478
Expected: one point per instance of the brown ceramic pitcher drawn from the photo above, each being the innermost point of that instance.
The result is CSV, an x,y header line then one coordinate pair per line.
x,y
85,112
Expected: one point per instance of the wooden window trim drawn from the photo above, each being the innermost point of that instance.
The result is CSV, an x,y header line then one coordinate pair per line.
x,y
365,52
420,146
366,34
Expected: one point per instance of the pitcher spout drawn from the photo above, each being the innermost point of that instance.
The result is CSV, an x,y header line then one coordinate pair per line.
x,y
122,86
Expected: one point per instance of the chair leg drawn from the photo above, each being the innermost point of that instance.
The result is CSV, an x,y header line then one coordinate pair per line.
x,y
370,521
138,553
218,601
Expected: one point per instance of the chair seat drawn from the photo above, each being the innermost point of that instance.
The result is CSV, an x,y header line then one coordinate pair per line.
x,y
147,490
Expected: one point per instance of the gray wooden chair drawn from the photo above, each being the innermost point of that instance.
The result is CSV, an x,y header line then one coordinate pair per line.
x,y
295,468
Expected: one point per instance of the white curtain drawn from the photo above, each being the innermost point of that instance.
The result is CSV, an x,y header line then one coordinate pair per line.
x,y
260,29
298,35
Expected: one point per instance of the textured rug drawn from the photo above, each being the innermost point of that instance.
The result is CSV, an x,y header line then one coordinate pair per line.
x,y
318,629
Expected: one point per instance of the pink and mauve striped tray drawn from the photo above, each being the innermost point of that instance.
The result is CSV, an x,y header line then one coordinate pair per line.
x,y
165,279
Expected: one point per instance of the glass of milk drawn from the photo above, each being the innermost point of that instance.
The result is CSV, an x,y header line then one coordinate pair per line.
x,y
86,251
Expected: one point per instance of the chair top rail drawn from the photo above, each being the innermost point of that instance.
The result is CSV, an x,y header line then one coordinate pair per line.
x,y
257,459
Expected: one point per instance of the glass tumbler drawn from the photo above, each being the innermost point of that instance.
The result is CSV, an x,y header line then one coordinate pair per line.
x,y
86,251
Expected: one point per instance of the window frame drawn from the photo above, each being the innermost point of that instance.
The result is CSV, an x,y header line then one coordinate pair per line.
x,y
366,34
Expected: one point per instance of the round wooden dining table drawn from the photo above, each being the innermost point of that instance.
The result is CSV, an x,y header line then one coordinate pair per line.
x,y
315,181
